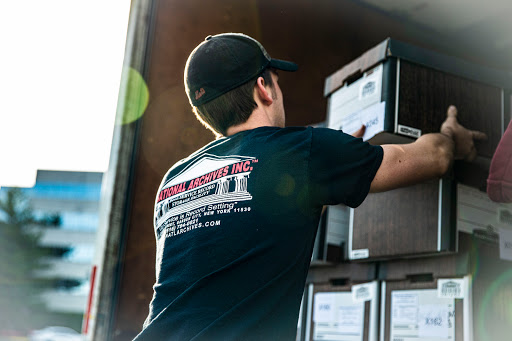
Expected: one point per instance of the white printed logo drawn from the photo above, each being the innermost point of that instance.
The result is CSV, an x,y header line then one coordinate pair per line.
x,y
450,288
368,89
212,181
363,292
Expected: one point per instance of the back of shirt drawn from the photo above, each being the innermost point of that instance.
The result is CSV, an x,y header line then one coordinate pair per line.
x,y
235,225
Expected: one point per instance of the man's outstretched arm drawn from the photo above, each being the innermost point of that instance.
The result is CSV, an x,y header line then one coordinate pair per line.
x,y
430,156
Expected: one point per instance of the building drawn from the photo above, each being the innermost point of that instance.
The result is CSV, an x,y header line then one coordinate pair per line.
x,y
73,197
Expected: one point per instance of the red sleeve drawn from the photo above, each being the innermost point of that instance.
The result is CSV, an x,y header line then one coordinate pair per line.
x,y
499,183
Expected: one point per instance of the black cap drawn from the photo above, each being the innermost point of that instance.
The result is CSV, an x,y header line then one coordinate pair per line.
x,y
223,62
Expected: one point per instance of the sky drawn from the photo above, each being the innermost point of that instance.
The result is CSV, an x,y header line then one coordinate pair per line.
x,y
61,64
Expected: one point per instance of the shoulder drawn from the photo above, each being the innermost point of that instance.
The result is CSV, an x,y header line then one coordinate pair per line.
x,y
336,142
298,133
277,132
328,133
274,139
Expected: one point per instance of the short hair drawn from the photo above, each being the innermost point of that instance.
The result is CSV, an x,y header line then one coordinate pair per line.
x,y
232,108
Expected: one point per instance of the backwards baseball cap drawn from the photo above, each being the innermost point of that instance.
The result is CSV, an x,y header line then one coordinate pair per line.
x,y
223,62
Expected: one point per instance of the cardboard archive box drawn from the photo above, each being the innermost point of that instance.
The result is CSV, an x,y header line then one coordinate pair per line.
x,y
341,303
464,296
411,221
400,92
388,219
426,299
478,215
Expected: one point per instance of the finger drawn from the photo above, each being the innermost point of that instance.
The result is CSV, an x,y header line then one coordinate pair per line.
x,y
472,154
478,135
447,130
360,132
452,111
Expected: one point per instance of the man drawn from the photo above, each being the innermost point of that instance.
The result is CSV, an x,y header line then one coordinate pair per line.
x,y
235,222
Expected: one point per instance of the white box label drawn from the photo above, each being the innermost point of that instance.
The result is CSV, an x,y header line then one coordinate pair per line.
x,y
504,224
434,320
359,254
371,117
337,317
420,315
409,131
505,244
355,97
324,310
404,307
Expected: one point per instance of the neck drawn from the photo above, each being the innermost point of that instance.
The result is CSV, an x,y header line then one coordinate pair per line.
x,y
258,118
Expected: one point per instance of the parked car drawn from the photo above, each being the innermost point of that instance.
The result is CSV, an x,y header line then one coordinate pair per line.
x,y
55,334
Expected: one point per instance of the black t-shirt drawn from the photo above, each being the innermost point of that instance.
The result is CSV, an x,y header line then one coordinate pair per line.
x,y
235,224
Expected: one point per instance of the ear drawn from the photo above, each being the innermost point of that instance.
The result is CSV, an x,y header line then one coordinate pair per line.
x,y
263,93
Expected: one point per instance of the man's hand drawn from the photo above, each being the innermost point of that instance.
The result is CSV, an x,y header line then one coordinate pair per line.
x,y
428,157
463,138
360,132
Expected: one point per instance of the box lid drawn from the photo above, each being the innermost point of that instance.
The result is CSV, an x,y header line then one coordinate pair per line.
x,y
350,272
455,265
392,48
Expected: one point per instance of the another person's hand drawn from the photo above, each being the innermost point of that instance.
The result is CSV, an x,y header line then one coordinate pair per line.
x,y
463,138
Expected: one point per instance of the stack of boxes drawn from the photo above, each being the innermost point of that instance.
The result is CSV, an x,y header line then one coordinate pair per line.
x,y
421,262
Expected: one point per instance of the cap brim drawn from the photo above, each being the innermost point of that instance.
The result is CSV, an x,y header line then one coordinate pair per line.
x,y
283,65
